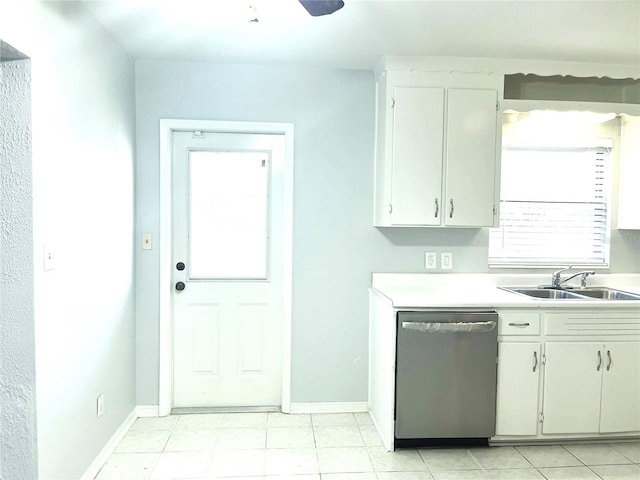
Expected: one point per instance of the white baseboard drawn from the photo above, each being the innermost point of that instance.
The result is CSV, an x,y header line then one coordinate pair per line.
x,y
109,448
330,407
326,407
143,411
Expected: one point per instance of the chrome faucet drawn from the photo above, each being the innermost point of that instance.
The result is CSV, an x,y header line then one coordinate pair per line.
x,y
555,276
556,282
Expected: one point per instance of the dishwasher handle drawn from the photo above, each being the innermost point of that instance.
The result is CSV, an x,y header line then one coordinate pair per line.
x,y
450,327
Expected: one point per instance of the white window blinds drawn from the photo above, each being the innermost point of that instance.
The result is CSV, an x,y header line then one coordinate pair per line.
x,y
553,207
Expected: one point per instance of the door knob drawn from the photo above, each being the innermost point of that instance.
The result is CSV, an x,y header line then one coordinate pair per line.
x,y
180,286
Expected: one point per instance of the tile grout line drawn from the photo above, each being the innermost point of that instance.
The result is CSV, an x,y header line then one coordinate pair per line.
x,y
594,472
315,445
475,459
570,453
531,465
175,428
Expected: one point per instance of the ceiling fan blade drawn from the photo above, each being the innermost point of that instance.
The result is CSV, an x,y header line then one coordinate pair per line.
x,y
317,8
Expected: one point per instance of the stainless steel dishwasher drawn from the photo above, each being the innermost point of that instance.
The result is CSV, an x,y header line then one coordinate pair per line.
x,y
446,377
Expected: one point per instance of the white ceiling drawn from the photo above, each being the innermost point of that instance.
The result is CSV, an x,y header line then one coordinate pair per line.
x,y
606,31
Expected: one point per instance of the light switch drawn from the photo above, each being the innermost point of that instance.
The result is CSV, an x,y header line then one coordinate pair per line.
x,y
147,241
48,257
446,260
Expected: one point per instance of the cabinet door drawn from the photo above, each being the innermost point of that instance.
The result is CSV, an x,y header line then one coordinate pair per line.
x,y
471,157
572,385
518,380
628,193
620,410
416,185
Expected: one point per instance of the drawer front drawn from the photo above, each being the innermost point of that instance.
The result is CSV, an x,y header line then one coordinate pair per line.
x,y
582,323
519,323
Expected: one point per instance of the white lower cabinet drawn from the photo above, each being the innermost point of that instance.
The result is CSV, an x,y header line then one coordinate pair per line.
x,y
620,408
519,367
518,384
576,375
572,385
591,387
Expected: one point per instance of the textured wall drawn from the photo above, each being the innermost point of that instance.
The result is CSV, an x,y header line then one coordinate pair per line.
x,y
18,455
82,91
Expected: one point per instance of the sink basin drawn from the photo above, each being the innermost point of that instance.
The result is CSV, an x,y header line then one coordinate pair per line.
x,y
546,293
594,293
604,293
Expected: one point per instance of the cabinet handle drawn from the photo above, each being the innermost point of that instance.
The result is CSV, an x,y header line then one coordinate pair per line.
x,y
599,361
451,211
523,324
535,361
437,209
610,361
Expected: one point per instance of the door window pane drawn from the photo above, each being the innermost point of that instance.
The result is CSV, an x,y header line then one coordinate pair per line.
x,y
228,227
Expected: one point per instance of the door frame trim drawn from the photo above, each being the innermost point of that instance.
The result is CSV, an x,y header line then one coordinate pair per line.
x,y
167,127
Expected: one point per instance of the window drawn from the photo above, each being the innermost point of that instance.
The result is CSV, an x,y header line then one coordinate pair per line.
x,y
554,206
229,213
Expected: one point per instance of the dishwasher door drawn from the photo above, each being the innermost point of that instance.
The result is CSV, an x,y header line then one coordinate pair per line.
x,y
446,375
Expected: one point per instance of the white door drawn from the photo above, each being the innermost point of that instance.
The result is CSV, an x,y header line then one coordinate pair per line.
x,y
517,395
572,386
228,232
620,411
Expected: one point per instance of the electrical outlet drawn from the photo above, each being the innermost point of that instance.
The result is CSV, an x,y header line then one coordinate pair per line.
x,y
430,260
446,260
100,405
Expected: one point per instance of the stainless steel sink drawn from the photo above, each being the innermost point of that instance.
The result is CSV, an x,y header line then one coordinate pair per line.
x,y
594,293
604,293
545,293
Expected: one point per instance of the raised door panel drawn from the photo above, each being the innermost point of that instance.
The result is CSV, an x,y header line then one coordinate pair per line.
x,y
471,157
572,385
620,410
418,126
518,384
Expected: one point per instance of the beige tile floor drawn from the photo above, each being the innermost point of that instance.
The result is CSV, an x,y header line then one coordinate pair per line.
x,y
273,446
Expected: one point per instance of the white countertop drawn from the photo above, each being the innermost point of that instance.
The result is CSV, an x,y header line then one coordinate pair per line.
x,y
476,290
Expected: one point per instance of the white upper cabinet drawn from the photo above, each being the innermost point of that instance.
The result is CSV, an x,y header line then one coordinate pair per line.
x,y
437,149
416,179
469,192
629,173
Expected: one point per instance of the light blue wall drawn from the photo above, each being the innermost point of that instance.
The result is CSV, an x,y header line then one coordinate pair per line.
x,y
333,115
83,165
335,246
